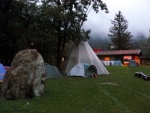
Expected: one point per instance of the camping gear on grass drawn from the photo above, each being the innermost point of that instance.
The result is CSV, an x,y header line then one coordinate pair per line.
x,y
142,75
52,71
83,70
2,72
108,63
132,63
7,67
117,63
82,53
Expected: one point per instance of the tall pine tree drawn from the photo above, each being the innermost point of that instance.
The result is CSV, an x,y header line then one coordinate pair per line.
x,y
119,35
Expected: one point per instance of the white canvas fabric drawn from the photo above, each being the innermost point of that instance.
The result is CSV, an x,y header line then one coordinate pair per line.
x,y
77,70
82,53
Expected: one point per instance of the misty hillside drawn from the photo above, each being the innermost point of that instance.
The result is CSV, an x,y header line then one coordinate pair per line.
x,y
101,42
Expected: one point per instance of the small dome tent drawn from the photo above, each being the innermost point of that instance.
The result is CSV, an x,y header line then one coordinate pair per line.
x,y
52,71
83,70
132,63
2,72
117,63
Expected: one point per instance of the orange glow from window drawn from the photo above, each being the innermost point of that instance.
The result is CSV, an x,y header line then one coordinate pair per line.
x,y
127,57
136,58
107,58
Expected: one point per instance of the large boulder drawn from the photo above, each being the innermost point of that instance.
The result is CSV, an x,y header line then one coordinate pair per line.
x,y
26,76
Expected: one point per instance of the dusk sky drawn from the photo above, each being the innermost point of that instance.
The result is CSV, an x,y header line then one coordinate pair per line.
x,y
136,12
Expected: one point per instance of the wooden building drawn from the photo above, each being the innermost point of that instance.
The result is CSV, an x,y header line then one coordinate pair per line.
x,y
145,61
123,55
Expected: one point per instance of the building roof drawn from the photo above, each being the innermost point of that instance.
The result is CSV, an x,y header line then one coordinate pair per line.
x,y
119,52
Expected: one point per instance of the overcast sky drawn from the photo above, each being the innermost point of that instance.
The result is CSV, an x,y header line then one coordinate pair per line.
x,y
136,12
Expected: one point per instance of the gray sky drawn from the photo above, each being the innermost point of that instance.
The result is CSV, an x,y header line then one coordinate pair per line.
x,y
137,12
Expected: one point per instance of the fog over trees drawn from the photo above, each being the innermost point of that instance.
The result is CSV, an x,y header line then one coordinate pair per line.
x,y
49,27
101,42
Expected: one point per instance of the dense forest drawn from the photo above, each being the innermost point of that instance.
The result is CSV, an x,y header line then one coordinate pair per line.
x,y
46,26
49,26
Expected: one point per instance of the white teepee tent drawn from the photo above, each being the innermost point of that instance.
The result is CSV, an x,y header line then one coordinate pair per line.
x,y
82,53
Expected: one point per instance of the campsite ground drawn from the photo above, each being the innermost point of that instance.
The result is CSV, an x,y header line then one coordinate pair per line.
x,y
119,92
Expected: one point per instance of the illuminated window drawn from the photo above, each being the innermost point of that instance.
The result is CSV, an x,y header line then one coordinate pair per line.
x,y
107,58
127,57
136,58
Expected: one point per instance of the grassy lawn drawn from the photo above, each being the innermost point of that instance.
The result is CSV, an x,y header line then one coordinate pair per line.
x,y
119,92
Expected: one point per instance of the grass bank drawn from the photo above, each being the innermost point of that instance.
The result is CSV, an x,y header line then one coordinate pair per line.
x,y
119,92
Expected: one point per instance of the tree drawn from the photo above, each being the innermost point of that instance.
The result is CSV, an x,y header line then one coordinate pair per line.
x,y
138,41
119,36
15,24
47,27
10,27
145,48
65,19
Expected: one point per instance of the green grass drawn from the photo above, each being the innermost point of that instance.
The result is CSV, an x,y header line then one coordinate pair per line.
x,y
119,92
